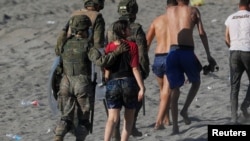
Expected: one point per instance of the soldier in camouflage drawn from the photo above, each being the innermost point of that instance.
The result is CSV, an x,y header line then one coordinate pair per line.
x,y
91,9
128,10
75,96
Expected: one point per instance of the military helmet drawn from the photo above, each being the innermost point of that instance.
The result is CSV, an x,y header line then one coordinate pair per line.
x,y
126,7
79,22
100,3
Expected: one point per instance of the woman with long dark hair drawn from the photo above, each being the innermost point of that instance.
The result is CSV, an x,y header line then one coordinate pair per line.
x,y
124,82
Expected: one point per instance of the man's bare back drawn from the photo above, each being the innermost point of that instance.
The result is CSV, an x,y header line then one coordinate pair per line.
x,y
159,29
183,19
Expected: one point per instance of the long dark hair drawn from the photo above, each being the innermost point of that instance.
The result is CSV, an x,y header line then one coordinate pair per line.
x,y
119,28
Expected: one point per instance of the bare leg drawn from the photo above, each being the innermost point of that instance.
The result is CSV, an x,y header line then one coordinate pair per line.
x,y
111,123
163,113
166,91
127,124
166,119
175,93
116,132
190,97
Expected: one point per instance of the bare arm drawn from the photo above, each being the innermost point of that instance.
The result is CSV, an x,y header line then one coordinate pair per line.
x,y
150,35
227,37
106,74
203,37
139,81
202,33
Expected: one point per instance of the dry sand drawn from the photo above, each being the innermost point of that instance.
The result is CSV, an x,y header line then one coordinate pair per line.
x,y
28,31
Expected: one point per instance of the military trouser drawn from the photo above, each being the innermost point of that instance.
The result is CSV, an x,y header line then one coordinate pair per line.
x,y
74,105
63,127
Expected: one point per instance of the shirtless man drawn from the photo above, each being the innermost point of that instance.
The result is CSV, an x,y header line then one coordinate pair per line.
x,y
183,20
159,30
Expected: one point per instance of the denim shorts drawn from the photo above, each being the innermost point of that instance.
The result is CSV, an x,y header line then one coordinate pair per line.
x,y
122,92
159,66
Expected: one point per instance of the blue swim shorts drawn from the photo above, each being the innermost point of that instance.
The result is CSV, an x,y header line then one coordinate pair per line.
x,y
182,60
159,66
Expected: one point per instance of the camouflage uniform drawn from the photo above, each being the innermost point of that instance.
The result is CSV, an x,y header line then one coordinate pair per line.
x,y
97,27
139,37
75,89
75,95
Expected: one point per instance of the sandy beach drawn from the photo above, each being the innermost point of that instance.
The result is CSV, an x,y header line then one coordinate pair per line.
x,y
28,32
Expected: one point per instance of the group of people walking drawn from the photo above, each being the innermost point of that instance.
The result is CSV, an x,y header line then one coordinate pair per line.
x,y
122,54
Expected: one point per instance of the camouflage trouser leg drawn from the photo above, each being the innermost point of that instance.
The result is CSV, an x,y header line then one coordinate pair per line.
x,y
83,107
58,138
61,130
73,102
81,133
66,107
66,102
83,92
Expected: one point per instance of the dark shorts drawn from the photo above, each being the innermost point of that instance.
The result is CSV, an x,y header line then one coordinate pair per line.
x,y
122,92
182,60
159,66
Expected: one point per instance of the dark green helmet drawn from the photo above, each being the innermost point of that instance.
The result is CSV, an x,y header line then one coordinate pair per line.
x,y
99,3
79,22
126,7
